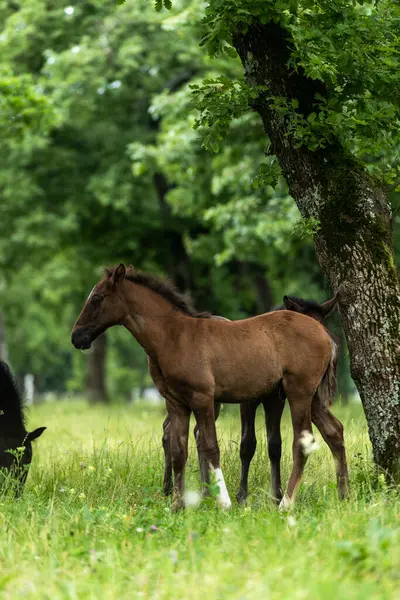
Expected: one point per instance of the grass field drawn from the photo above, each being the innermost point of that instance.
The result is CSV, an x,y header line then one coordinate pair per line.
x,y
93,522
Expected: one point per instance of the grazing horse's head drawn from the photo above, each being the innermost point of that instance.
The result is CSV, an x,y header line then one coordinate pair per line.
x,y
16,454
104,308
15,440
312,309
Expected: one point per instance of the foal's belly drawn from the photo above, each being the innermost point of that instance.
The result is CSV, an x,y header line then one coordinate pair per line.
x,y
244,384
246,393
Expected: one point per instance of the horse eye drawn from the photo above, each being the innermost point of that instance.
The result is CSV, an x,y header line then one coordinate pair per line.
x,y
97,298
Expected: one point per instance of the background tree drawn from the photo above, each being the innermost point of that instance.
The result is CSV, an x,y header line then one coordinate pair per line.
x,y
114,171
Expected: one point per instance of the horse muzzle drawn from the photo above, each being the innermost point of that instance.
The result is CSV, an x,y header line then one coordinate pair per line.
x,y
81,339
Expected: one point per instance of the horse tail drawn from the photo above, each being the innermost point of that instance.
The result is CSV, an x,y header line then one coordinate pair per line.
x,y
327,387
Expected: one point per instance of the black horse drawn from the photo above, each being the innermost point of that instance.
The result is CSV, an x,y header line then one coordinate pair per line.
x,y
15,440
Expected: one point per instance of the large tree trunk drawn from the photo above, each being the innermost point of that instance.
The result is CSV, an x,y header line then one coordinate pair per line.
x,y
353,243
96,387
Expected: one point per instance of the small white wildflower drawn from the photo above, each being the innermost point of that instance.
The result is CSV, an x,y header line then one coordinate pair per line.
x,y
69,10
114,85
308,442
291,521
192,499
139,529
76,49
62,490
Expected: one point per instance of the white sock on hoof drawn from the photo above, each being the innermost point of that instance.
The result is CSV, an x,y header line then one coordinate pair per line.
x,y
307,442
223,497
285,504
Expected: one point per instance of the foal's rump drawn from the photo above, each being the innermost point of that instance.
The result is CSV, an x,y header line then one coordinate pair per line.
x,y
305,348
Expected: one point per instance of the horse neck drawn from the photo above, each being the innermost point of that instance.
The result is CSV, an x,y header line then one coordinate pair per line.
x,y
11,417
151,317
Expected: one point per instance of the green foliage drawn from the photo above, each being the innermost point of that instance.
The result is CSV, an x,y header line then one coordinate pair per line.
x,y
307,227
160,4
219,101
23,107
351,47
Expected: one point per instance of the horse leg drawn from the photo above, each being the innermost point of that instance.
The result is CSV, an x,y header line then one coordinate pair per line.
x,y
179,416
167,458
273,407
332,431
300,408
248,444
209,450
203,466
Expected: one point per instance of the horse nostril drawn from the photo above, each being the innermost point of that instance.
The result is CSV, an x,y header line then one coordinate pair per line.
x,y
80,338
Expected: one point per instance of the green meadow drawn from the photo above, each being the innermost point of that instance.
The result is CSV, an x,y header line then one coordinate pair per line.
x,y
93,522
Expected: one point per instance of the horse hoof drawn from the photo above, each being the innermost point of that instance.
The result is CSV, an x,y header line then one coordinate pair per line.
x,y
285,504
241,497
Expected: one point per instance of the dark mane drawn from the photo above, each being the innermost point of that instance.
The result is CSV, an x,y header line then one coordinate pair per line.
x,y
11,402
164,288
309,305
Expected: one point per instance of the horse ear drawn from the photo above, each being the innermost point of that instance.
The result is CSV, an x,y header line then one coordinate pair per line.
x,y
290,304
33,435
118,275
329,306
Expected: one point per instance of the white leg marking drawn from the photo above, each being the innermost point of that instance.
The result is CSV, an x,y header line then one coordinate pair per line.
x,y
223,497
286,504
308,443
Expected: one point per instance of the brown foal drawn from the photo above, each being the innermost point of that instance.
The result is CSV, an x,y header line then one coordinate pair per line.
x,y
195,361
273,406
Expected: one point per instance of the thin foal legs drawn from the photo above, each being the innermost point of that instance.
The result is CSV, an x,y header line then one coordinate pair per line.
x,y
179,433
209,450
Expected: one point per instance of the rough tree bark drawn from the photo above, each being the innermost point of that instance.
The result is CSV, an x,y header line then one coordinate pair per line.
x,y
96,387
354,243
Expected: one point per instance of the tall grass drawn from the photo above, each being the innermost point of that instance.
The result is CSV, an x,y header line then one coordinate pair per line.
x,y
93,522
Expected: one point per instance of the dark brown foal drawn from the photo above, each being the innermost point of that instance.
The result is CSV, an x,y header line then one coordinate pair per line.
x,y
196,361
273,405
